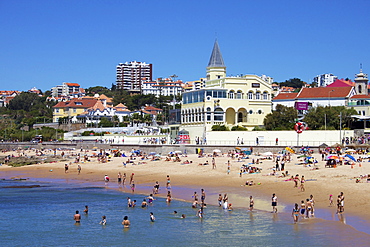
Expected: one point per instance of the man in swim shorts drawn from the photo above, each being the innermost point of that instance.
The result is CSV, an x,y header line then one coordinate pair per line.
x,y
77,217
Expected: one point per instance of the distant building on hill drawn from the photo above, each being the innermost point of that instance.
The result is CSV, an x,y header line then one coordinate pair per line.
x,y
324,79
165,87
68,89
131,75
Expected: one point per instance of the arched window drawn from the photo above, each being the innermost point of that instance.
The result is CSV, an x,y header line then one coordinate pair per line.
x,y
240,117
359,89
239,94
219,114
250,95
258,96
208,113
231,94
265,96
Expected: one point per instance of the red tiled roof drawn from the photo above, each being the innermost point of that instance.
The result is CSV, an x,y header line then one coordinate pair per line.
x,y
285,96
324,92
72,84
341,83
85,103
360,96
152,108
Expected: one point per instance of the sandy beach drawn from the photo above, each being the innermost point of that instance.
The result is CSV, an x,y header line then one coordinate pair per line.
x,y
320,182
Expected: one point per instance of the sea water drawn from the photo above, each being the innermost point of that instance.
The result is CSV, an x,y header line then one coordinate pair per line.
x,y
43,216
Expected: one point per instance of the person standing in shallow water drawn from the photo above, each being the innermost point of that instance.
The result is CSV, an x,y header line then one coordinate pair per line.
x,y
274,203
126,223
77,217
295,213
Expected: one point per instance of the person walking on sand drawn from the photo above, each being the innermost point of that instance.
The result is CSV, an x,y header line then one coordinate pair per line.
x,y
302,184
168,183
330,200
274,203
213,163
66,168
251,203
106,179
126,223
77,217
341,202
295,213
228,167
119,178
303,208
132,178
123,179
78,169
312,205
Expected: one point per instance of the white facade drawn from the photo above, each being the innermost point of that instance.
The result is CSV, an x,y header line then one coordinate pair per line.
x,y
324,79
165,87
130,75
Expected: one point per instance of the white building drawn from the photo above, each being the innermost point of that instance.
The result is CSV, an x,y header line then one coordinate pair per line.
x,y
67,89
324,79
130,75
165,87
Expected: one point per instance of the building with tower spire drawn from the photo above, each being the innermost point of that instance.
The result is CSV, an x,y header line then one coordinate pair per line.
x,y
242,100
361,83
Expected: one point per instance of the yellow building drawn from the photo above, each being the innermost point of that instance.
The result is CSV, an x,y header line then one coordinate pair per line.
x,y
241,100
72,108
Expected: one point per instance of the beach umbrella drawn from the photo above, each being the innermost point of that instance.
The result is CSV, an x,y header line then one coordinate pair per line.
x,y
217,151
157,155
152,153
244,149
302,156
268,154
351,157
332,157
178,152
238,148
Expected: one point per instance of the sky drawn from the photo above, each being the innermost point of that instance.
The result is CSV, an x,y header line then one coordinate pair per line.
x,y
44,43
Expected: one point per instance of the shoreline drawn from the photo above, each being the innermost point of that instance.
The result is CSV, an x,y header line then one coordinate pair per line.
x,y
193,177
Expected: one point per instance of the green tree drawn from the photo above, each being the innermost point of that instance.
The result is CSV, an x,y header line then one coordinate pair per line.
x,y
294,82
329,116
283,118
220,128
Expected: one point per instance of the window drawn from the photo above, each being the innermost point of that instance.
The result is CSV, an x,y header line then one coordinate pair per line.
x,y
250,95
259,111
240,117
208,113
219,114
265,96
239,94
74,110
250,111
57,110
231,94
258,95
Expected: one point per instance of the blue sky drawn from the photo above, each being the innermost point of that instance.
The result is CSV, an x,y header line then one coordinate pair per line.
x,y
44,43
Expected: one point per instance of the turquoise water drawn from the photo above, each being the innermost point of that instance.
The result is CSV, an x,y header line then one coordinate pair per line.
x,y
43,216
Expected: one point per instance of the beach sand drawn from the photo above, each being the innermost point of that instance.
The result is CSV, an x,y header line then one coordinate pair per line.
x,y
320,183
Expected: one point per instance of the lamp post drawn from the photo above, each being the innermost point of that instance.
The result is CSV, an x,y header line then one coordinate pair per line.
x,y
329,96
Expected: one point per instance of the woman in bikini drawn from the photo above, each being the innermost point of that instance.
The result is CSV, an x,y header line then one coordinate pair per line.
x,y
295,213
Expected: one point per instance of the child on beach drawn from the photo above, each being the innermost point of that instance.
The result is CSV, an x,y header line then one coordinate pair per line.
x,y
330,200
